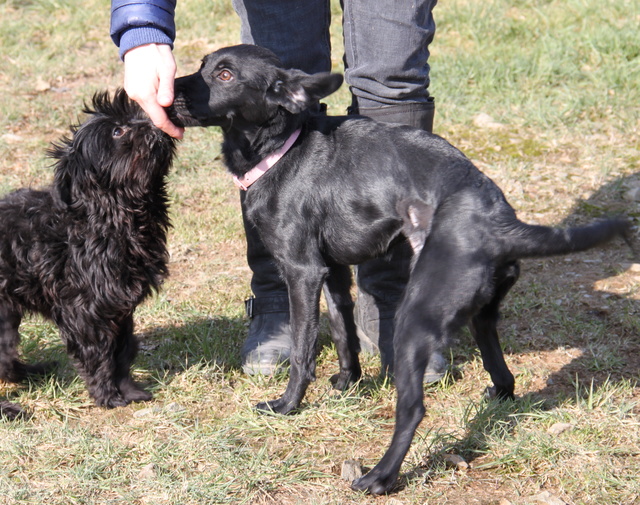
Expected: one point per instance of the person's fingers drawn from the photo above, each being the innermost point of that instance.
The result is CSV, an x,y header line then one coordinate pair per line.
x,y
160,119
149,72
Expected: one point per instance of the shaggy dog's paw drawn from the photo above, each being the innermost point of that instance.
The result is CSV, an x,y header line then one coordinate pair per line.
x,y
11,411
134,393
111,402
137,395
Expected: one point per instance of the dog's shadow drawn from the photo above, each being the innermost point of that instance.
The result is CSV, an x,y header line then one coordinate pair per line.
x,y
166,351
602,336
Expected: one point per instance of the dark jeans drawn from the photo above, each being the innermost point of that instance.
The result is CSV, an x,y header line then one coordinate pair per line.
x,y
386,42
386,52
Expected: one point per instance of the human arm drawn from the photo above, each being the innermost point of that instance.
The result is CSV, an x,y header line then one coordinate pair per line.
x,y
144,31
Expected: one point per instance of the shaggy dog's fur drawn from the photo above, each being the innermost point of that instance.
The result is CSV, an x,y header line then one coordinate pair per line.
x,y
347,189
87,251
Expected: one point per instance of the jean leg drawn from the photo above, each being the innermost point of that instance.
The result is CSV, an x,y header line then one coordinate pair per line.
x,y
296,31
387,49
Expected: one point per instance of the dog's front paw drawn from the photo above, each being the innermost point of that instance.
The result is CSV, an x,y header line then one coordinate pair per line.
x,y
374,483
278,406
134,393
137,395
499,393
11,411
343,380
111,402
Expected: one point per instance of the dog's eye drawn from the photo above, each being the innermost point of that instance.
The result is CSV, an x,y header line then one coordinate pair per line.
x,y
117,132
225,75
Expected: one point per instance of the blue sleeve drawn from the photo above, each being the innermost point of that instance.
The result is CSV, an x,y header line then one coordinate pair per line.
x,y
138,22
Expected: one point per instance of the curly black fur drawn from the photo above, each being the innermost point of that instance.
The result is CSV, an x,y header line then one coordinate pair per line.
x,y
85,252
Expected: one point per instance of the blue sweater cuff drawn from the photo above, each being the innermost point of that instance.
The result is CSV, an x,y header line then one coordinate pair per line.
x,y
135,37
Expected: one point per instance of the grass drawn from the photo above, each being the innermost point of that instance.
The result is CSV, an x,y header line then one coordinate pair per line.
x,y
560,82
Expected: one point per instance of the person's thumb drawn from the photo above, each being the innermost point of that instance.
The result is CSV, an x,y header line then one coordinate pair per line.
x,y
166,77
165,91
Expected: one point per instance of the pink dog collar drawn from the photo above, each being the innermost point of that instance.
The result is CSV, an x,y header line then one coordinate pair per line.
x,y
259,170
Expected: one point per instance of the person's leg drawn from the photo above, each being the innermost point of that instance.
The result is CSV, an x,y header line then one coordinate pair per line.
x,y
298,33
386,60
387,52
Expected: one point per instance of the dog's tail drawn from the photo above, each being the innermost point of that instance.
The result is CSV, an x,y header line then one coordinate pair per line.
x,y
530,241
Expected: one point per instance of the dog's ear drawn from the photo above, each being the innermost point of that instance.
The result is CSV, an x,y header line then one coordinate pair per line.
x,y
296,91
63,178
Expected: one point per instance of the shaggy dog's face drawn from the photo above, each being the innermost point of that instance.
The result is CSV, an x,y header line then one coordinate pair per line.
x,y
116,146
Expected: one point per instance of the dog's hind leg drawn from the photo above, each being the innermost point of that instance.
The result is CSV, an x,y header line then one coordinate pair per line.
x,y
10,410
126,351
343,327
446,286
9,339
483,327
12,369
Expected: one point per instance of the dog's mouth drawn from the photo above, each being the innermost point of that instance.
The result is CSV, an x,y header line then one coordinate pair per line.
x,y
177,118
181,114
184,119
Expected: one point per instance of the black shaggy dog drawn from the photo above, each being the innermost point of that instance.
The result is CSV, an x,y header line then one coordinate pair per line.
x,y
345,190
87,251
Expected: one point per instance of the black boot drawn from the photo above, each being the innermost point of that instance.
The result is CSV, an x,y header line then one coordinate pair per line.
x,y
381,281
268,344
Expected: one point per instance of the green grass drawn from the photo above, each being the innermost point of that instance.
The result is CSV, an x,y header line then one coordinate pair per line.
x,y
562,81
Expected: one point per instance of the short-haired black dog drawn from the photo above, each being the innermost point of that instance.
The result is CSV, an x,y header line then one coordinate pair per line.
x,y
345,190
87,251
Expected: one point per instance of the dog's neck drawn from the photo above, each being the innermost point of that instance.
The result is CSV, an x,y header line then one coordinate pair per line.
x,y
244,148
261,168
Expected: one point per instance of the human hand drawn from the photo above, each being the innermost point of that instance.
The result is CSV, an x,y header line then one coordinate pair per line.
x,y
149,74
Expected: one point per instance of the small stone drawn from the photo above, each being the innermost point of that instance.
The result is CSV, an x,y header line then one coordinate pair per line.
x,y
11,137
351,470
504,501
147,472
174,408
42,85
632,195
559,428
547,498
150,411
456,461
484,120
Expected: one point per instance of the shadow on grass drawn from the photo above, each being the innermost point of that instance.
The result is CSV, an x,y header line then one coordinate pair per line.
x,y
608,334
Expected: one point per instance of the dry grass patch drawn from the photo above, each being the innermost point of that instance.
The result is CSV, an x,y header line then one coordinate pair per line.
x,y
544,96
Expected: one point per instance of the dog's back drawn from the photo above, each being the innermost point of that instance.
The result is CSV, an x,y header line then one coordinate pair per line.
x,y
30,223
